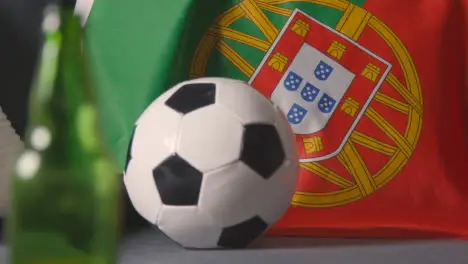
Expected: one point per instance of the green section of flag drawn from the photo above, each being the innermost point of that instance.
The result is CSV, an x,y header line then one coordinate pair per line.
x,y
141,48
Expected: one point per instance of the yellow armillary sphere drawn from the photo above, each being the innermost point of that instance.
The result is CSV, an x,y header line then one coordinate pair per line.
x,y
407,97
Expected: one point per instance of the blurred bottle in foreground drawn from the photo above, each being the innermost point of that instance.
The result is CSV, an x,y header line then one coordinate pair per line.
x,y
65,192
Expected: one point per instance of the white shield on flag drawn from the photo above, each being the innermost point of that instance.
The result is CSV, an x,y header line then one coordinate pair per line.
x,y
323,82
310,89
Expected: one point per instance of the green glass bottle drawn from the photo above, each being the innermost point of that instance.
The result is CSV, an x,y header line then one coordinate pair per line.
x,y
65,189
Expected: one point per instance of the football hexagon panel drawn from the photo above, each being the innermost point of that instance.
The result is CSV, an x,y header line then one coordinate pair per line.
x,y
210,138
277,192
262,149
245,102
232,194
286,134
177,181
142,190
192,96
156,135
242,234
189,227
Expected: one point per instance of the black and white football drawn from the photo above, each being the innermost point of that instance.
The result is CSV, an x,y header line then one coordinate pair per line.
x,y
212,163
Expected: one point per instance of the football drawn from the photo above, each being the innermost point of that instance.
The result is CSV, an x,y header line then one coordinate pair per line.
x,y
212,163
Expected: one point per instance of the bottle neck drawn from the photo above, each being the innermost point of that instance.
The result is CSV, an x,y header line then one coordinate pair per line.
x,y
61,74
62,97
73,72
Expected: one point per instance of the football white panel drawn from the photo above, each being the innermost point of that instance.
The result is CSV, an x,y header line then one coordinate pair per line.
x,y
230,194
154,107
245,102
156,135
189,227
288,138
142,190
209,138
276,194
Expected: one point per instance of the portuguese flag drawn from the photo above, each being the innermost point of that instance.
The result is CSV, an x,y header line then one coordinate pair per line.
x,y
381,85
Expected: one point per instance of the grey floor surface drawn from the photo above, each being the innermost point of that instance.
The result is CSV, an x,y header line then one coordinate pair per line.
x,y
150,247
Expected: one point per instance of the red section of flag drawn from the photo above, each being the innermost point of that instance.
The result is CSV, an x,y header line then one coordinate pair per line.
x,y
429,195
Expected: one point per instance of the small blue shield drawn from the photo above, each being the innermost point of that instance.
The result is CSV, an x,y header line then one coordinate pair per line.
x,y
323,71
326,104
309,92
296,114
292,81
